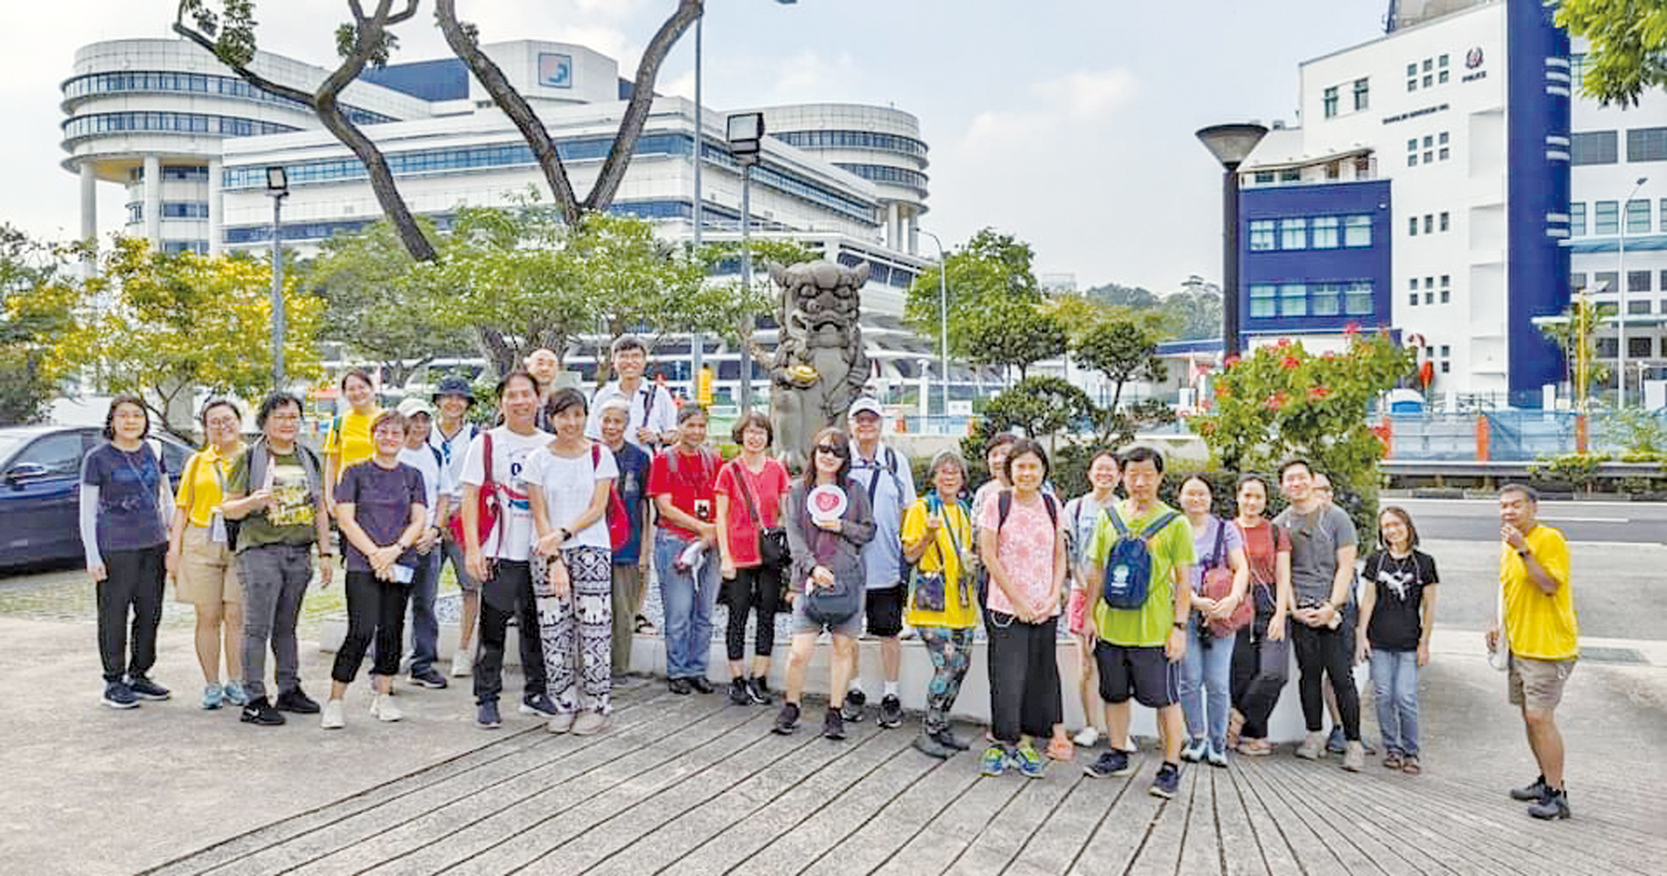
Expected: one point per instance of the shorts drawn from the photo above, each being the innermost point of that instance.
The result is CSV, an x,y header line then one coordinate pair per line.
x,y
1537,684
455,552
207,571
1144,672
885,610
1076,611
851,627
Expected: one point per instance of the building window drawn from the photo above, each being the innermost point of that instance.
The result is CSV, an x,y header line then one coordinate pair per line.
x,y
1577,282
1325,299
1606,282
1638,216
1412,292
1637,307
1443,221
1441,77
1646,144
1334,170
1363,170
1325,232
1357,231
1358,298
1293,299
1293,174
1412,84
1429,80
1446,288
1663,283
1429,223
1592,147
1331,102
1261,235
1412,226
1362,94
1443,153
1429,156
1577,218
1429,290
1264,177
1262,302
1412,159
1605,218
1446,365
1638,281
1293,234
1638,348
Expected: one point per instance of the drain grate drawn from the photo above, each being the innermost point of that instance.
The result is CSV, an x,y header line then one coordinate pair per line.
x,y
1613,655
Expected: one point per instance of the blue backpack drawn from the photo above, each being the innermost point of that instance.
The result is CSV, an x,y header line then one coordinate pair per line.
x,y
1128,570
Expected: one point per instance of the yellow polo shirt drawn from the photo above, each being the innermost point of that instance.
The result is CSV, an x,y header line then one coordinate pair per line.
x,y
1539,626
943,558
199,489
353,444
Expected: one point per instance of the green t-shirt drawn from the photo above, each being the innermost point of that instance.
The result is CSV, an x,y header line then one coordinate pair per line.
x,y
1149,625
292,521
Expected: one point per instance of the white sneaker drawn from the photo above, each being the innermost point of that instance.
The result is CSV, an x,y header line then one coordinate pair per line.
x,y
561,723
1086,737
590,724
1312,746
382,706
462,660
333,718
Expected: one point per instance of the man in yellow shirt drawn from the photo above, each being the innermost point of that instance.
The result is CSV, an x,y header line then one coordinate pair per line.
x,y
1541,635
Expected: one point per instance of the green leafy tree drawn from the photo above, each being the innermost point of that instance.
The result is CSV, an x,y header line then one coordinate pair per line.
x,y
33,311
990,269
1014,334
1628,46
1574,336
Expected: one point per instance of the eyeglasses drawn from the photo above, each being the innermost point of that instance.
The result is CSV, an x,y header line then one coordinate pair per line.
x,y
833,450
286,418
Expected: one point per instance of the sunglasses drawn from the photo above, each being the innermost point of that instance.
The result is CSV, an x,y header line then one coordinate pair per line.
x,y
833,449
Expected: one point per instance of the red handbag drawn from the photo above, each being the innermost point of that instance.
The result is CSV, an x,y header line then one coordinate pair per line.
x,y
486,501
1218,585
617,515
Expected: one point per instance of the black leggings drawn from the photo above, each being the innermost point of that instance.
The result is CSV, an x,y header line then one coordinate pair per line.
x,y
132,578
1260,666
1024,678
375,608
1325,651
755,588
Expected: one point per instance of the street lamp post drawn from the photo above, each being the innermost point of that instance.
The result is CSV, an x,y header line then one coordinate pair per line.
x,y
1620,316
943,319
745,132
277,188
1231,144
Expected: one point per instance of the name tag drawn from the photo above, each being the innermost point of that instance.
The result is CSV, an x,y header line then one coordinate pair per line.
x,y
403,574
217,529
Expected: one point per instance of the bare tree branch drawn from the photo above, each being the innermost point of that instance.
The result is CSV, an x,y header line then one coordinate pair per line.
x,y
244,73
642,99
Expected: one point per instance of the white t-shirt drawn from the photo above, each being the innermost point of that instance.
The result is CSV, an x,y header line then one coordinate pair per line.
x,y
569,485
661,418
509,460
452,453
1080,517
436,480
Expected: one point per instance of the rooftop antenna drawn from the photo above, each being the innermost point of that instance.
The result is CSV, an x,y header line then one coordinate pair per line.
x,y
1389,18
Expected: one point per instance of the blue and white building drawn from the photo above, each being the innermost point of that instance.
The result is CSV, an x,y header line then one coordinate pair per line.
x,y
1447,182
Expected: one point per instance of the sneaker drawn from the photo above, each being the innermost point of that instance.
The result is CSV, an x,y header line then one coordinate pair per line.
x,y
538,704
1217,757
383,709
145,689
296,701
1555,805
852,710
118,695
334,717
1111,764
701,685
679,686
891,712
486,715
236,695
787,721
429,678
947,738
261,713
590,724
1311,746
213,696
1530,793
1031,763
1335,743
738,692
758,690
1167,781
929,745
1255,747
833,725
561,723
1086,737
462,663
1354,757
1195,750
994,761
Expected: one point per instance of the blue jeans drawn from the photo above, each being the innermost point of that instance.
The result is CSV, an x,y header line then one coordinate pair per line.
x,y
1395,683
425,627
688,605
1206,682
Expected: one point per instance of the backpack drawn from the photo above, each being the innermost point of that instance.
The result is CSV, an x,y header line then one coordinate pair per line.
x,y
619,519
1004,506
1128,568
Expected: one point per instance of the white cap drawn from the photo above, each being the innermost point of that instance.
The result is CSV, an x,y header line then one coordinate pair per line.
x,y
866,403
411,405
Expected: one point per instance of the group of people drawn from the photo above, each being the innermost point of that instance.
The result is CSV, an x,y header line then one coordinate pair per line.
x,y
555,516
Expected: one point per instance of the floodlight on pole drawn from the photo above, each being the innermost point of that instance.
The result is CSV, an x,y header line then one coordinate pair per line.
x,y
1620,314
277,188
1231,144
745,133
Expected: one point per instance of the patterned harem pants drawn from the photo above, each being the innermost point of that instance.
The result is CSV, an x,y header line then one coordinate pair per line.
x,y
576,631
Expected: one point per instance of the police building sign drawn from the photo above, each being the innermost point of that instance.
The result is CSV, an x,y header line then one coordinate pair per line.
x,y
1473,62
555,70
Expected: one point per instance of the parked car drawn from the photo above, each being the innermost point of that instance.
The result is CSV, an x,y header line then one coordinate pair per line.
x,y
40,486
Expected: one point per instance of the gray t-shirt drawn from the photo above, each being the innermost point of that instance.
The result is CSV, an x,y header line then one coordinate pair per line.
x,y
1315,538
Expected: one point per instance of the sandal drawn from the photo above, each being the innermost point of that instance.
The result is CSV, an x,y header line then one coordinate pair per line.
x,y
1060,748
1392,761
643,626
1235,725
1255,747
1410,766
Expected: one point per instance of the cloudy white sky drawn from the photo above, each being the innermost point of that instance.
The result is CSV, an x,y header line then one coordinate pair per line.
x,y
1068,123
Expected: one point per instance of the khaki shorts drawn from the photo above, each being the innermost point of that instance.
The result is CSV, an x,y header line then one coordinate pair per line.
x,y
207,571
1538,684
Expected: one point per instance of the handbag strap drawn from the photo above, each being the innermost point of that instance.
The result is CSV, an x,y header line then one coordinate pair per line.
x,y
746,491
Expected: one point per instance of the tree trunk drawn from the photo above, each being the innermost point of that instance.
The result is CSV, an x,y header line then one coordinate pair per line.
x,y
642,98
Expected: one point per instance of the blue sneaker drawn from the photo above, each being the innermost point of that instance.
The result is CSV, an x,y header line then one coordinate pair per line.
x,y
236,695
119,696
486,716
994,762
213,696
145,689
1031,764
1335,743
539,705
1110,764
1167,782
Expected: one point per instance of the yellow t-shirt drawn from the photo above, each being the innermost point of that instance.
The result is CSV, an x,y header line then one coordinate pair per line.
x,y
199,494
943,558
1539,626
354,444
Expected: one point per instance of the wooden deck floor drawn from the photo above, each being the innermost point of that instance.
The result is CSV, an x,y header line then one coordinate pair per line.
x,y
687,785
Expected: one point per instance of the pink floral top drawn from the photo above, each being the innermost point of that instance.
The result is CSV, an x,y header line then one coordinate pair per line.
x,y
1025,544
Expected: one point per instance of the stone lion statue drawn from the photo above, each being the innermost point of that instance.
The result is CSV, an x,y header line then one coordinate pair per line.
x,y
820,366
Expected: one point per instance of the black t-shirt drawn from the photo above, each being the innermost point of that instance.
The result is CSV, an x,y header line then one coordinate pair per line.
x,y
1399,584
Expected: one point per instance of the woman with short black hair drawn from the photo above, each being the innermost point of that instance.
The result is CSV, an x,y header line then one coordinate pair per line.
x,y
751,497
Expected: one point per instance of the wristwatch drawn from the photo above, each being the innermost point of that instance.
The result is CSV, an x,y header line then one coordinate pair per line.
x,y
565,535
1523,552
1180,625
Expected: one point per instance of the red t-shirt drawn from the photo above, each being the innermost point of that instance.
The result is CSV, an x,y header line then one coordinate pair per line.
x,y
1263,543
690,488
767,488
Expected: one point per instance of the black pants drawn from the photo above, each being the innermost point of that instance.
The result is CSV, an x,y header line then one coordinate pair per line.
x,y
508,594
375,608
132,578
754,589
1260,667
1326,651
1024,678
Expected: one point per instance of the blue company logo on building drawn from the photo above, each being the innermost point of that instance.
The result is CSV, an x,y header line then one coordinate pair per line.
x,y
555,71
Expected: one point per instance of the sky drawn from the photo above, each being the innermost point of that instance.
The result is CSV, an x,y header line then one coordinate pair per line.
x,y
1066,123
